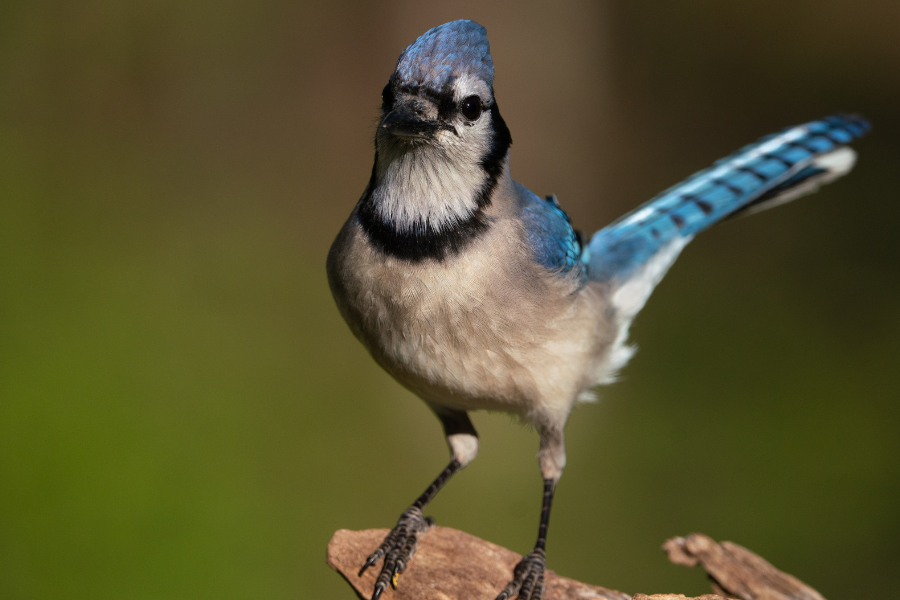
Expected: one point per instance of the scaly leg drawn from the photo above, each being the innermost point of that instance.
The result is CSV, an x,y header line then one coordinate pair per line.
x,y
400,545
528,576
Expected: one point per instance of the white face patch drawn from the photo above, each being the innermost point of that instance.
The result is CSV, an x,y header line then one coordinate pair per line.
x,y
435,182
469,85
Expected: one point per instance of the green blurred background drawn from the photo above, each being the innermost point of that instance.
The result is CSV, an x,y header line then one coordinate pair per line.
x,y
183,414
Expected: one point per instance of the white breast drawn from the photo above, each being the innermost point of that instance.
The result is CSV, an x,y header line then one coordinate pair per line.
x,y
486,331
428,184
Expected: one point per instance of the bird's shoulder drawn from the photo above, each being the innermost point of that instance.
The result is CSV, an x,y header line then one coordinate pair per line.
x,y
550,236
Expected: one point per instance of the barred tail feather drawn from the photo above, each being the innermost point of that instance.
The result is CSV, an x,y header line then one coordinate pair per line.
x,y
774,170
824,169
633,254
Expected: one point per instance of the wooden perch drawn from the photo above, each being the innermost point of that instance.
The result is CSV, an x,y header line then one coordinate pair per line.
x,y
736,572
452,564
449,564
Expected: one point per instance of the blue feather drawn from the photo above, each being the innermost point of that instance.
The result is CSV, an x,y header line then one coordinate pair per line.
x,y
751,176
445,53
554,243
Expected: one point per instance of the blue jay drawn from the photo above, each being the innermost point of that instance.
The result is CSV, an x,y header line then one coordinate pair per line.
x,y
474,293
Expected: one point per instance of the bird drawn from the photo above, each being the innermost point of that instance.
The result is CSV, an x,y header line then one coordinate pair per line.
x,y
476,294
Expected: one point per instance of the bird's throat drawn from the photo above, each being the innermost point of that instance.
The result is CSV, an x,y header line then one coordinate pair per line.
x,y
428,202
416,209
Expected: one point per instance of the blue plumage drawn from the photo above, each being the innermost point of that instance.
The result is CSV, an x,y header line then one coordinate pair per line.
x,y
553,241
758,172
445,53
477,294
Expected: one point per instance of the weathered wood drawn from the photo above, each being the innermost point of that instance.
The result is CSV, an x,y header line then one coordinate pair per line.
x,y
449,564
676,597
452,564
737,572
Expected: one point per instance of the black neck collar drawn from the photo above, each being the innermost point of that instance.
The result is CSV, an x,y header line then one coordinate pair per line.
x,y
428,242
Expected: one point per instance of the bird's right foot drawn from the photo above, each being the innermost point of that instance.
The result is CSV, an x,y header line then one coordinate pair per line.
x,y
398,548
528,578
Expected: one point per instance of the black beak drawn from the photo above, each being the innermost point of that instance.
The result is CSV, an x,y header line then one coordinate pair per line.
x,y
405,121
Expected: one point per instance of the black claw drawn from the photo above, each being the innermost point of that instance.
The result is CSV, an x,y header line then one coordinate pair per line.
x,y
528,578
511,588
527,586
396,570
369,562
379,587
398,548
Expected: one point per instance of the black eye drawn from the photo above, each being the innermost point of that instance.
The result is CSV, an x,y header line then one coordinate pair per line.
x,y
387,96
471,108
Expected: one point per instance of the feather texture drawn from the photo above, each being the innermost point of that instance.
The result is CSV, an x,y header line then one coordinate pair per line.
x,y
775,169
475,293
551,237
447,52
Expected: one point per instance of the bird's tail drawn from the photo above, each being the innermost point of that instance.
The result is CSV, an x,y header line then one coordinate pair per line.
x,y
634,252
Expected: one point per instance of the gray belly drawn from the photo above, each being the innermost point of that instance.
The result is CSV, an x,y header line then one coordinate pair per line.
x,y
480,332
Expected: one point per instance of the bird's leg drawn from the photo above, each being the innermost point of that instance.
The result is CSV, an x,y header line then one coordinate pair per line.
x,y
528,576
401,543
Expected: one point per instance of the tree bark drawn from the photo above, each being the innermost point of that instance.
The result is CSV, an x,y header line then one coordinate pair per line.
x,y
736,572
452,564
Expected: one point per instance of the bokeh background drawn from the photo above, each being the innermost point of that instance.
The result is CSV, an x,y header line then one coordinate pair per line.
x,y
183,414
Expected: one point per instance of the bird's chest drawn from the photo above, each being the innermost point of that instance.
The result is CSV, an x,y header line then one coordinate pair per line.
x,y
454,331
432,321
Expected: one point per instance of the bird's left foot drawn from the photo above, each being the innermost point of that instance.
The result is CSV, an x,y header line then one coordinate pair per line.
x,y
398,548
528,578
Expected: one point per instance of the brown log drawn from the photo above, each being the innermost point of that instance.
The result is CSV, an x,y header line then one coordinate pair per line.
x,y
737,572
452,564
449,564
676,597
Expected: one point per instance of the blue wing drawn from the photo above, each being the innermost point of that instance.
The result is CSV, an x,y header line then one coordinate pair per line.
x,y
776,169
554,243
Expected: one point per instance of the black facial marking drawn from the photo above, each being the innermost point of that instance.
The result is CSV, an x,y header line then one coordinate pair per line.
x,y
427,242
446,106
442,99
406,121
387,97
502,140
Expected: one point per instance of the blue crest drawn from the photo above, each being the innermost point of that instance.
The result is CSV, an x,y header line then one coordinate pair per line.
x,y
445,53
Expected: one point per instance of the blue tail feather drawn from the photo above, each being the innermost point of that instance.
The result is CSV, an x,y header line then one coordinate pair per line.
x,y
755,176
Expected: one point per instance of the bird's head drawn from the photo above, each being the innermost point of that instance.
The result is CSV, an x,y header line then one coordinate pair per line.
x,y
440,148
441,97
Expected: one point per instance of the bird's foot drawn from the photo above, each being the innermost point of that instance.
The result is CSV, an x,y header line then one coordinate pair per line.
x,y
398,548
528,578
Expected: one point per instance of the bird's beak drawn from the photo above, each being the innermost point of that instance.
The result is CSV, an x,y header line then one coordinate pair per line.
x,y
408,122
